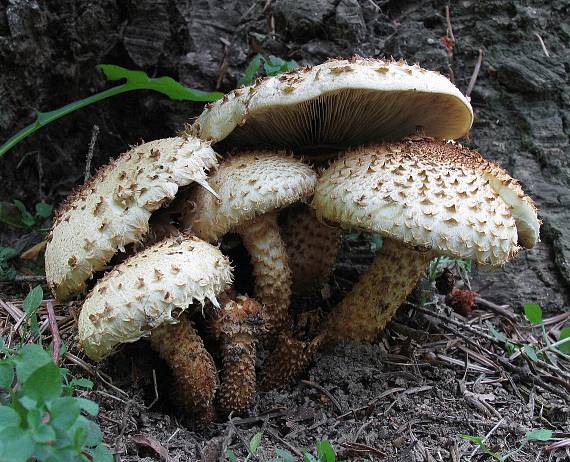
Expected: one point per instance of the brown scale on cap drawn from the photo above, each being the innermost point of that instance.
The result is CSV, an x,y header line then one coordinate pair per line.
x,y
237,326
312,247
288,361
452,203
193,368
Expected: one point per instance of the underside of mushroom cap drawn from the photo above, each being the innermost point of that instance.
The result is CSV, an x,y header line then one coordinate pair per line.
x,y
148,289
248,185
342,102
430,194
113,208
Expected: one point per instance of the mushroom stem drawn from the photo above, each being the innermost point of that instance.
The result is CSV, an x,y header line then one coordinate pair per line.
x,y
288,361
312,247
374,299
237,327
268,254
194,370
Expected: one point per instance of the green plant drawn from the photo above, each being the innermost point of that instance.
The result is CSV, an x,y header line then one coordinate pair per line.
x,y
271,66
39,417
436,266
135,80
7,271
17,215
325,452
535,435
533,313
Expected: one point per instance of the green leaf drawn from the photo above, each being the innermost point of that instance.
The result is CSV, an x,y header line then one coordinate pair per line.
x,y
33,300
44,384
138,80
8,417
43,210
308,457
564,334
81,382
533,313
6,374
529,351
101,454
25,216
284,456
230,454
274,65
473,439
43,434
538,435
64,412
255,442
91,407
325,451
251,71
30,358
34,418
7,253
16,445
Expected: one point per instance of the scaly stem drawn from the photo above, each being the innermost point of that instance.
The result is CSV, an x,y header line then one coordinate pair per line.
x,y
374,299
193,368
271,271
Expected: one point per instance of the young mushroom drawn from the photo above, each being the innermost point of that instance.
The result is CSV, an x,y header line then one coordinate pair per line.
x,y
252,187
237,325
113,208
426,198
340,103
145,295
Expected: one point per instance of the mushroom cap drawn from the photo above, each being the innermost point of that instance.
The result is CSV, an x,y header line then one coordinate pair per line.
x,y
248,185
430,194
342,102
113,208
142,292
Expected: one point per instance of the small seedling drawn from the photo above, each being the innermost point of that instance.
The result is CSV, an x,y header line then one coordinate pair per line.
x,y
535,435
271,66
533,313
7,271
17,215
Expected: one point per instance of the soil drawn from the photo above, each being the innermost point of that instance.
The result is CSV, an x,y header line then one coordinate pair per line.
x,y
421,404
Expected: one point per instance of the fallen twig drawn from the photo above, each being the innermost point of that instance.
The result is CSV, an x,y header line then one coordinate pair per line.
x,y
326,392
90,151
475,73
56,338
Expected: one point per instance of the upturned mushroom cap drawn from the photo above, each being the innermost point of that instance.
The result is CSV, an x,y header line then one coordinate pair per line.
x,y
430,194
342,102
113,208
248,185
143,292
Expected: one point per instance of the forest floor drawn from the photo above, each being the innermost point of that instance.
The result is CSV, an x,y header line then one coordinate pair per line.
x,y
434,378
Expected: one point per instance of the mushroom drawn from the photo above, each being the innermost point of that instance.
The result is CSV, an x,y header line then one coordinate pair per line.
x,y
145,295
252,187
113,208
426,198
237,325
311,246
340,103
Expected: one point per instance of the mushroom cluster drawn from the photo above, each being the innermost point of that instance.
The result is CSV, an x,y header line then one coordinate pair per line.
x,y
350,144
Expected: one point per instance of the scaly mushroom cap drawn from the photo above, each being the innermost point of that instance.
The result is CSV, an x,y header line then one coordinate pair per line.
x,y
142,293
248,185
342,102
113,208
430,194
